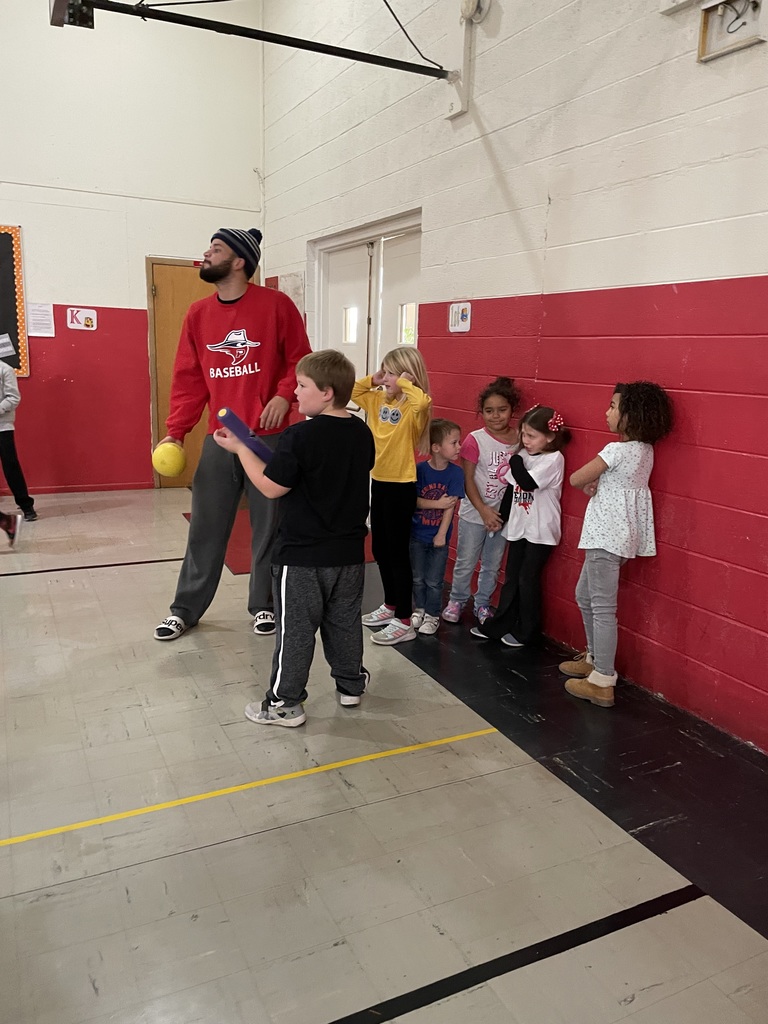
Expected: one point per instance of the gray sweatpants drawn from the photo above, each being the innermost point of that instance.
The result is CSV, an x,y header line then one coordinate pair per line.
x,y
217,486
330,599
596,595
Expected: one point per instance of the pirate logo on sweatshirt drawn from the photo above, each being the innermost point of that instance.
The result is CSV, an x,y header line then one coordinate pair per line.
x,y
236,345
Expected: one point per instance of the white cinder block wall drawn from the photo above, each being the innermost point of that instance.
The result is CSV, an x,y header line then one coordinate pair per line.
x,y
596,152
131,139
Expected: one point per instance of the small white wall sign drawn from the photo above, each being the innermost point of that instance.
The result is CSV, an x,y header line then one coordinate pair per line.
x,y
459,317
81,319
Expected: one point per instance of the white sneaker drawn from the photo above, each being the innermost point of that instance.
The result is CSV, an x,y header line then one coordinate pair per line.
x,y
429,626
418,617
397,632
170,628
382,616
351,700
347,700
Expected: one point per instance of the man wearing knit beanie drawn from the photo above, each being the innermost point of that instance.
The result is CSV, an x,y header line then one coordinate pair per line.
x,y
238,348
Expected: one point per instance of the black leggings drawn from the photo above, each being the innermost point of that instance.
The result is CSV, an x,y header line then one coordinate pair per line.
x,y
14,477
519,611
392,508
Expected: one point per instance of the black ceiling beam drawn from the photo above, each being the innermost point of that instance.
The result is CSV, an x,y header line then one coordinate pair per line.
x,y
156,14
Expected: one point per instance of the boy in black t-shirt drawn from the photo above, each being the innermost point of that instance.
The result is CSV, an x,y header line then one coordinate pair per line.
x,y
320,472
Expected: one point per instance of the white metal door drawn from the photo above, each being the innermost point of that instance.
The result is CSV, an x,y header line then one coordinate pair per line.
x,y
370,298
347,288
400,270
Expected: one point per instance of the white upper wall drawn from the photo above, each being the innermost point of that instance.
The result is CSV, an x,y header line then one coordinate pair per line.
x,y
596,151
133,139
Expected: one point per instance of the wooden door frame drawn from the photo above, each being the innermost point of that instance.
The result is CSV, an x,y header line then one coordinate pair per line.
x,y
150,263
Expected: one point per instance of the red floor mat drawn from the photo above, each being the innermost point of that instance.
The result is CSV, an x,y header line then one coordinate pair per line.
x,y
238,557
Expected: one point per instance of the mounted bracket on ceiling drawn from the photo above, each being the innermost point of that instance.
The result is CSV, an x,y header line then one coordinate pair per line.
x,y
461,38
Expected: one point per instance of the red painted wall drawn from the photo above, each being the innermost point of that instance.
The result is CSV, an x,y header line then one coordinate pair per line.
x,y
694,619
84,419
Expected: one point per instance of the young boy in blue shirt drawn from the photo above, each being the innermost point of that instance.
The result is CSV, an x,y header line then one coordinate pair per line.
x,y
320,472
439,486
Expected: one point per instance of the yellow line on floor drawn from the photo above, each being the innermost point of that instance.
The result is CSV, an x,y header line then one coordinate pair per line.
x,y
139,811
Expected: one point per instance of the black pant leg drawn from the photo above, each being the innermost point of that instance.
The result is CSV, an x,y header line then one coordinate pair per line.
x,y
392,508
298,603
12,471
506,617
528,628
341,630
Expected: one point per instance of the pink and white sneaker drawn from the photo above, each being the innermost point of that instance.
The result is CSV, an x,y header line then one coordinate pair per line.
x,y
483,613
451,612
397,632
382,616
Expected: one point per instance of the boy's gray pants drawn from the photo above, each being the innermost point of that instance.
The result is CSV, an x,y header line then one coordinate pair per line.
x,y
218,483
596,595
307,598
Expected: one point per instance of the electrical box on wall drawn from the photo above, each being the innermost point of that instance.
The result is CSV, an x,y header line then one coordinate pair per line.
x,y
729,25
459,317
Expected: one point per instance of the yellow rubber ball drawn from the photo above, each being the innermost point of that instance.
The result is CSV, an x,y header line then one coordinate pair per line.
x,y
169,459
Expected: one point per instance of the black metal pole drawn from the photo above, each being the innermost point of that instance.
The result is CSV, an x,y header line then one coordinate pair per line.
x,y
155,14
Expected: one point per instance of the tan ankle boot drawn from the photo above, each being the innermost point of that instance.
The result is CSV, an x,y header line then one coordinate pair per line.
x,y
579,668
596,688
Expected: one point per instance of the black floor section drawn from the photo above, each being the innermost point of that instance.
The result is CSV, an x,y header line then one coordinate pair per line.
x,y
480,974
693,795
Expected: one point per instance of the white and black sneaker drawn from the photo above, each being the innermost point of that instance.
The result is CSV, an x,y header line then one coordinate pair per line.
x,y
264,623
276,714
170,628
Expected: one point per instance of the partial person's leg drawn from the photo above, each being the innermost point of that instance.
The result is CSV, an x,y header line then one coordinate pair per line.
x,y
491,557
380,537
602,577
11,525
401,520
12,472
468,547
506,618
535,557
604,589
584,601
216,490
341,630
419,555
434,578
298,603
263,514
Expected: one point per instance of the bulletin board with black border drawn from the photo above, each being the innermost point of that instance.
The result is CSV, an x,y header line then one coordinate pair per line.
x,y
13,327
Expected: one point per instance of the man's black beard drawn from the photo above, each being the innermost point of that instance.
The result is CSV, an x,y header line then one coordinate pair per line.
x,y
212,274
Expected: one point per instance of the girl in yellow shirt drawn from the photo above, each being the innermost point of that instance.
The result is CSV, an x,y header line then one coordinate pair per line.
x,y
397,401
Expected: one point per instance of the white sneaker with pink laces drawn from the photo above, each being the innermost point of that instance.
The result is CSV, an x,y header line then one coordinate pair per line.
x,y
380,617
397,632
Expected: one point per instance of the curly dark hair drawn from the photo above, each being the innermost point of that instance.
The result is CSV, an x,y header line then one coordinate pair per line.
x,y
538,418
645,411
504,387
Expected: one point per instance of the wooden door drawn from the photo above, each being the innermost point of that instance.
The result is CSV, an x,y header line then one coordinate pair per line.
x,y
174,287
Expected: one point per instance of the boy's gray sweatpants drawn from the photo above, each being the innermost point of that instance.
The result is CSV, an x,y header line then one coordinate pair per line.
x,y
218,483
596,595
307,598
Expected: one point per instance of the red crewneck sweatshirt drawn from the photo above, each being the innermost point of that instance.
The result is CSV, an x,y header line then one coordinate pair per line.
x,y
237,354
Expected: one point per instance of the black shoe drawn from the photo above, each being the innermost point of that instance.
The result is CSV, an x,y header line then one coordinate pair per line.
x,y
31,516
12,528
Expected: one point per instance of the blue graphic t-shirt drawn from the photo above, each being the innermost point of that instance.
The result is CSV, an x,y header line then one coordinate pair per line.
x,y
433,484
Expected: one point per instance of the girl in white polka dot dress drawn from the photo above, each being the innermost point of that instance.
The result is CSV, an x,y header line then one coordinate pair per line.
x,y
618,525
